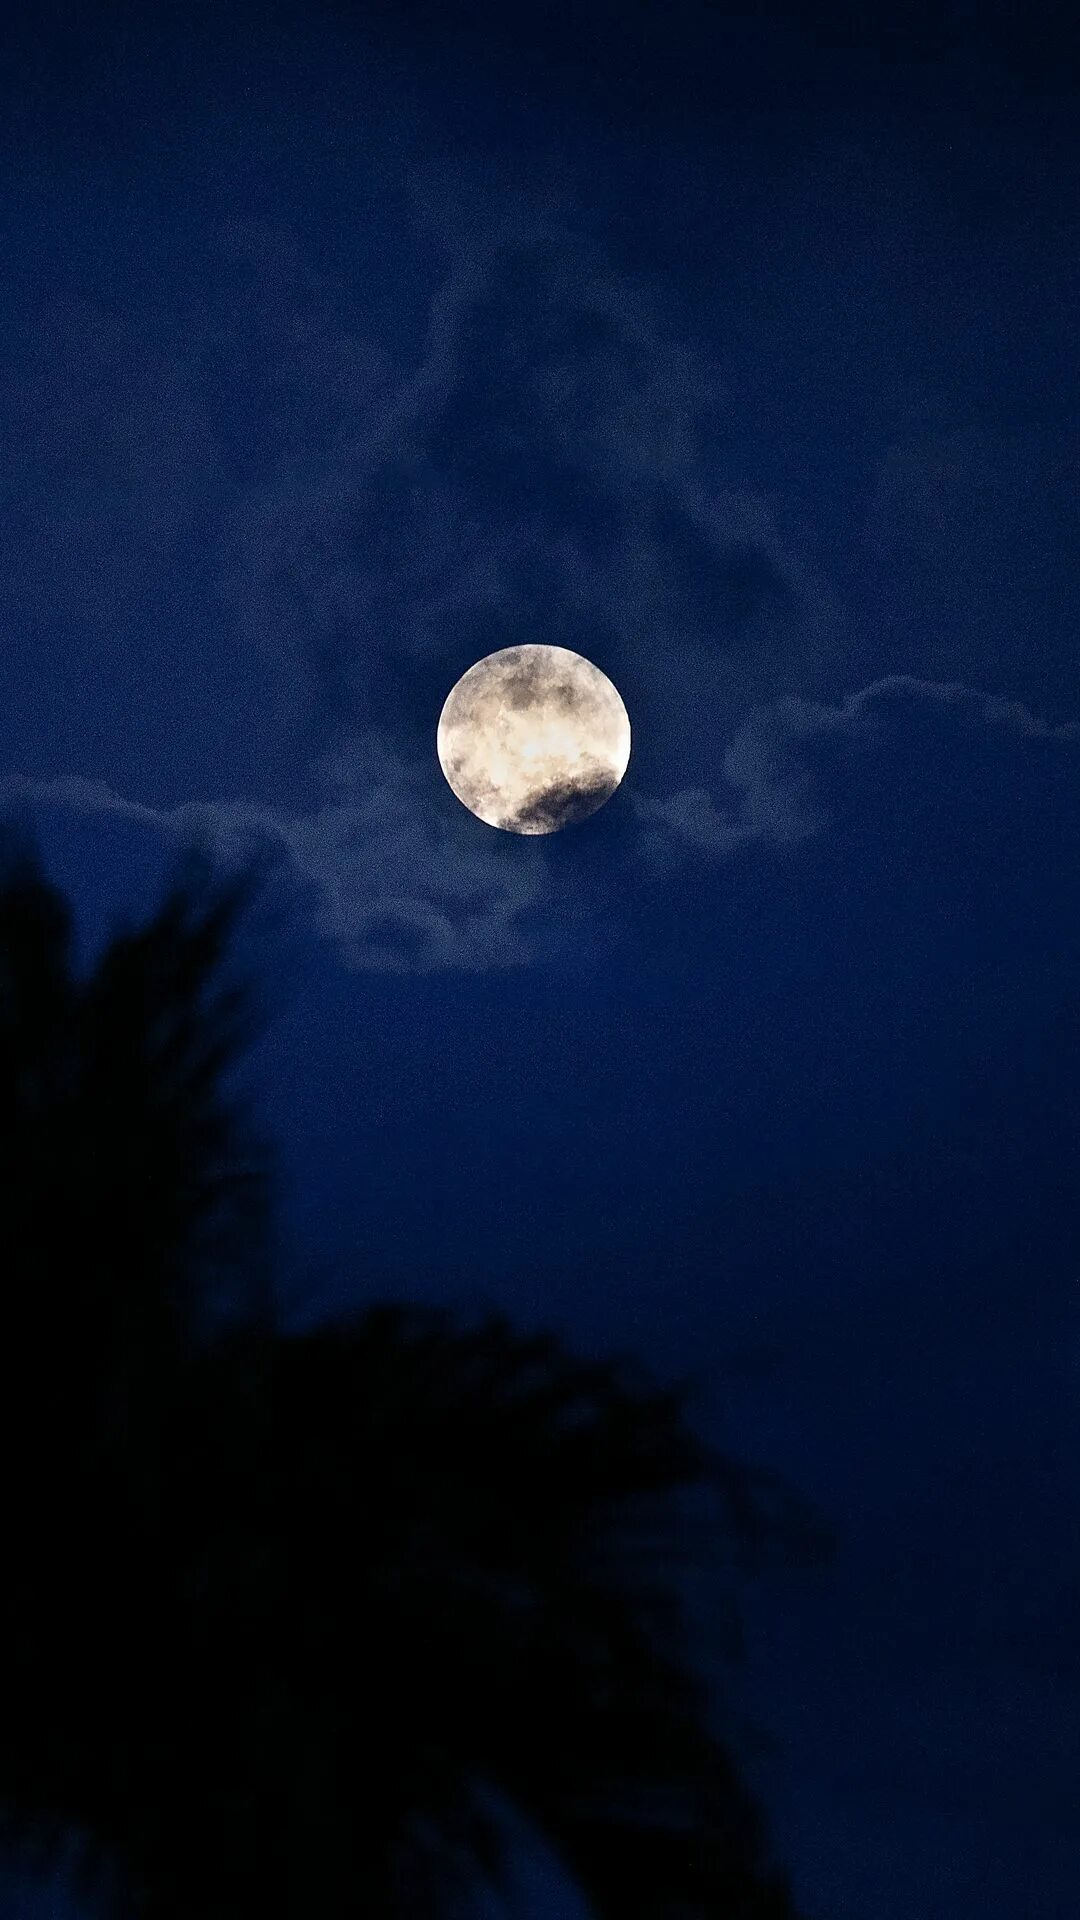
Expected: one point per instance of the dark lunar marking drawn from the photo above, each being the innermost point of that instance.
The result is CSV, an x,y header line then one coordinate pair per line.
x,y
565,802
522,689
570,696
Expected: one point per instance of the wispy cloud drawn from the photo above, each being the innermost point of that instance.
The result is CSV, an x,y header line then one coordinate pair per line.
x,y
398,885
547,455
769,795
552,464
403,880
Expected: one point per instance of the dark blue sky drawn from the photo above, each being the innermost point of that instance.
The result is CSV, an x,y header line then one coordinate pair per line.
x,y
343,345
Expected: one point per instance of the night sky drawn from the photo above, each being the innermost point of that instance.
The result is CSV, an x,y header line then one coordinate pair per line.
x,y
340,346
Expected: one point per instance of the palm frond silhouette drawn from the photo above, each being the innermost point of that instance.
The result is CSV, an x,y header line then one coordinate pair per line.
x,y
290,1614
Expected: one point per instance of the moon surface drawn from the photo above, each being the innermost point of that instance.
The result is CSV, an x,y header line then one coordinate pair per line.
x,y
533,738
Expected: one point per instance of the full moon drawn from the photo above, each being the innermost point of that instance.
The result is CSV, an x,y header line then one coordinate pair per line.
x,y
533,738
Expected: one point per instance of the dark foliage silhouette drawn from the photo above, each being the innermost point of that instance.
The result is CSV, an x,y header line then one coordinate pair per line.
x,y
284,1613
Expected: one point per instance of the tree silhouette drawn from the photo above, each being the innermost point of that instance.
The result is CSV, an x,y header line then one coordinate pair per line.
x,y
285,1613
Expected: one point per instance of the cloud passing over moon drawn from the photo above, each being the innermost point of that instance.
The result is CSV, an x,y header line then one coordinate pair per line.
x,y
533,738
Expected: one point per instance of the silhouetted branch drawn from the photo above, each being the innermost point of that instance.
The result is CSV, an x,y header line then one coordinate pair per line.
x,y
284,1612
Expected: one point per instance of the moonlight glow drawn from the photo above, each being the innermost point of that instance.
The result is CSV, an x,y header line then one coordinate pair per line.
x,y
533,738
